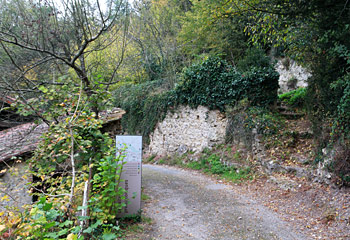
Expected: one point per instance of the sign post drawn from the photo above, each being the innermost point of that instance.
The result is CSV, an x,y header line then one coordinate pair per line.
x,y
131,174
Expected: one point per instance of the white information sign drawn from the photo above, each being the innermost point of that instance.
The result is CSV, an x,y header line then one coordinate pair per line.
x,y
131,174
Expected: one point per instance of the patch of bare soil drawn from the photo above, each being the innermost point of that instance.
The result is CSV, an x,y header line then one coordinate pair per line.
x,y
318,211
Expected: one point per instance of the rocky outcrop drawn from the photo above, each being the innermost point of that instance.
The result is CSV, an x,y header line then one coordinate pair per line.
x,y
188,130
292,76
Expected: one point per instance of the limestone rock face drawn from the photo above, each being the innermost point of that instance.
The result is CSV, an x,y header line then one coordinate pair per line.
x,y
188,130
292,76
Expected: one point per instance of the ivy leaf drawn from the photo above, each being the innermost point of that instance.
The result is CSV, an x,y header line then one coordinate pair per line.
x,y
43,89
109,236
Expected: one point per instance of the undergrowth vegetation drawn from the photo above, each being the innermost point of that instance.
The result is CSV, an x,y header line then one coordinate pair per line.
x,y
145,105
212,163
244,121
295,98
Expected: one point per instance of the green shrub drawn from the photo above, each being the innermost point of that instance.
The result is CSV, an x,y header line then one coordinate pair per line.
x,y
210,162
238,175
253,57
216,167
295,98
261,86
209,83
145,105
341,124
195,165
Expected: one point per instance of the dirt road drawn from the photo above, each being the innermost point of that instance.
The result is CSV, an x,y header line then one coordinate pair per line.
x,y
189,205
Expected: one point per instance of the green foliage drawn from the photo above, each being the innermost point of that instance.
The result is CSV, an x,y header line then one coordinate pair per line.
x,y
266,122
71,150
211,162
106,189
341,162
253,57
131,218
145,105
203,32
150,159
261,86
215,165
161,161
153,49
295,98
243,119
209,83
195,165
47,221
215,84
341,124
321,43
237,175
344,108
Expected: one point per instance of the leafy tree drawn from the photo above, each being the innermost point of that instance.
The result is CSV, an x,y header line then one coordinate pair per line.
x,y
60,81
155,25
206,30
315,33
62,34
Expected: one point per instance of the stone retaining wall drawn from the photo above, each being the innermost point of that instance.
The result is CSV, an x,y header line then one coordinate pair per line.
x,y
188,130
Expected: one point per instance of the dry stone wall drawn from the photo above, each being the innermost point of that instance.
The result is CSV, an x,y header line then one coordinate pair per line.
x,y
188,130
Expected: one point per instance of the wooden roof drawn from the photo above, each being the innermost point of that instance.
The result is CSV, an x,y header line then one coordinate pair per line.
x,y
23,139
20,140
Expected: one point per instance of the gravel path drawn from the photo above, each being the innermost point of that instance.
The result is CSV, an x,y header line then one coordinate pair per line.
x,y
188,205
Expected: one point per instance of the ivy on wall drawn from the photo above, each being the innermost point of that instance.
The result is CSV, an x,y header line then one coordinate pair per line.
x,y
216,84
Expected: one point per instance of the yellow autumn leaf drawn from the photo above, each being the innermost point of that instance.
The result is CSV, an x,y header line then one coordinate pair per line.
x,y
15,221
72,236
34,211
5,198
2,227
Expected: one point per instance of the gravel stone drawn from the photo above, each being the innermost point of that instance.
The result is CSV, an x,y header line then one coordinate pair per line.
x,y
186,204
